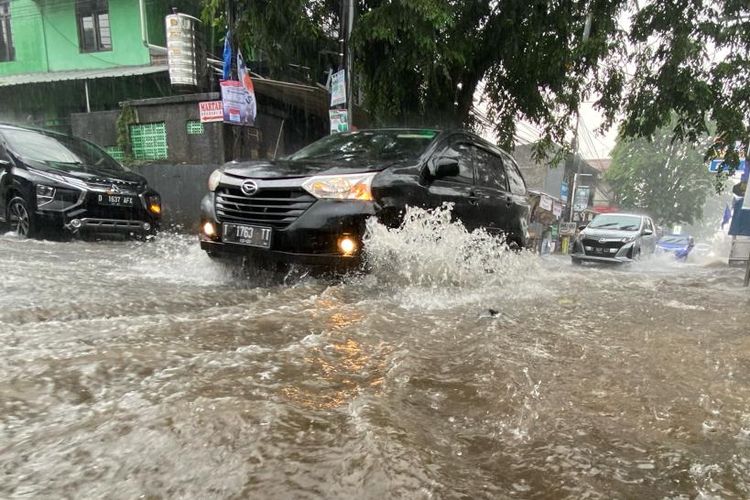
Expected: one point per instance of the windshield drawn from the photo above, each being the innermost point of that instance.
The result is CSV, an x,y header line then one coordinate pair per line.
x,y
674,240
370,145
59,151
616,222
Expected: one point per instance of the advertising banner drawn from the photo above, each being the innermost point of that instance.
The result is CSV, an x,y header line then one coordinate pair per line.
x,y
339,120
338,88
211,111
545,202
557,209
237,103
581,201
564,190
182,49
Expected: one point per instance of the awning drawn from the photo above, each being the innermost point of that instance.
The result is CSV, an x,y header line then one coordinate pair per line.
x,y
89,74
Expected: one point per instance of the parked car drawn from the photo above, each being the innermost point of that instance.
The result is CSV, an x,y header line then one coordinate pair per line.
x,y
55,181
615,237
311,207
680,245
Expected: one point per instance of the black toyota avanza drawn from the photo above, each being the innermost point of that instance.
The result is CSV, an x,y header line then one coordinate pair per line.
x,y
56,181
311,207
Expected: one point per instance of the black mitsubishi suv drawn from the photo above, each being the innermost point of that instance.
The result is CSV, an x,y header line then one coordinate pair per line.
x,y
60,182
311,207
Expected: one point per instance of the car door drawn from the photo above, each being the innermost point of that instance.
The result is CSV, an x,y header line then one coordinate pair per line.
x,y
492,191
648,241
5,178
521,209
458,189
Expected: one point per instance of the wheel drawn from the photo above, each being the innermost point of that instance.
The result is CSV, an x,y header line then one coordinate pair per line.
x,y
20,218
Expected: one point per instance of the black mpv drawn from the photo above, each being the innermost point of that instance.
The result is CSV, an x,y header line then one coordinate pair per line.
x,y
311,207
50,180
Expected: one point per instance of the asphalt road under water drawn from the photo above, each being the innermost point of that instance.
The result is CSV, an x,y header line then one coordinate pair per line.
x,y
144,370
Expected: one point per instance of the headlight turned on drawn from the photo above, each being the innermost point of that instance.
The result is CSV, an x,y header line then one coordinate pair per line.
x,y
341,187
154,204
214,179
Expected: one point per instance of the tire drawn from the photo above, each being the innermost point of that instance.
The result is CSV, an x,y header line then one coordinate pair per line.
x,y
20,219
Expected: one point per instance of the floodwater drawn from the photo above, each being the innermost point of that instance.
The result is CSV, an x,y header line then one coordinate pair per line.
x,y
452,370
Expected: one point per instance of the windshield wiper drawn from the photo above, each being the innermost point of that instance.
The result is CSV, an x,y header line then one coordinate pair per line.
x,y
608,224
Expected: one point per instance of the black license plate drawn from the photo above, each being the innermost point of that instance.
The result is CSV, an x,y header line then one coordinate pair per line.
x,y
115,200
254,236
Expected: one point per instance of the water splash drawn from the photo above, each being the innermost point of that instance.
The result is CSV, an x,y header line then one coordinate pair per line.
x,y
431,252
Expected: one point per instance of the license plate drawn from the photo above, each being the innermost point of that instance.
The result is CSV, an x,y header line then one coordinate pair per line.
x,y
116,200
254,236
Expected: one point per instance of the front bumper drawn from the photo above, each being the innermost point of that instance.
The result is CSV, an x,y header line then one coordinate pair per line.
x,y
311,239
621,255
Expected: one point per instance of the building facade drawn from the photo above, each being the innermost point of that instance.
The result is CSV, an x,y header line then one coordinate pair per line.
x,y
59,57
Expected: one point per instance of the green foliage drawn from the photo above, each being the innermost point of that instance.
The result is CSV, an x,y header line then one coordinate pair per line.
x,y
124,120
665,178
691,60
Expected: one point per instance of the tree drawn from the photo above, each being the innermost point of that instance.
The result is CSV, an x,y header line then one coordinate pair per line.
x,y
420,62
691,60
665,178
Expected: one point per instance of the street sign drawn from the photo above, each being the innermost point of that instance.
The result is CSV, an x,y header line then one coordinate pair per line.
x,y
210,111
568,228
338,88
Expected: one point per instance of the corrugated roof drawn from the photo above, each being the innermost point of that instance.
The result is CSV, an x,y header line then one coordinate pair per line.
x,y
89,74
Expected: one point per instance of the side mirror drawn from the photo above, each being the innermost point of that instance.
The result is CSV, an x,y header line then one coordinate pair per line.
x,y
647,232
582,227
4,164
445,167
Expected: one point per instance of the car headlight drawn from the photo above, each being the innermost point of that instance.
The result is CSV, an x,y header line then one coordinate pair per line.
x,y
44,194
153,202
341,187
628,239
214,179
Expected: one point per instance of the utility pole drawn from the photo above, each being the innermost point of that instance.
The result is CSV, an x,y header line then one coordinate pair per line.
x,y
347,24
576,154
230,31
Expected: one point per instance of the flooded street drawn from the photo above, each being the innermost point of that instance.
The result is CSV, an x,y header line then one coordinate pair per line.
x,y
145,370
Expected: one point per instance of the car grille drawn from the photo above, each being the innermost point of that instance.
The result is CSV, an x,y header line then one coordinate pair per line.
x,y
102,183
270,207
603,249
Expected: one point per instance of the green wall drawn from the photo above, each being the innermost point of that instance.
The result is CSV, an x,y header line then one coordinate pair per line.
x,y
45,35
62,38
27,39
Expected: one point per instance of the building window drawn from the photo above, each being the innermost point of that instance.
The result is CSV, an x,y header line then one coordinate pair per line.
x,y
7,52
94,34
149,141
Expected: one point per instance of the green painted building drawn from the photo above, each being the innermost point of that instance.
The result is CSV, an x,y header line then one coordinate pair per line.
x,y
66,56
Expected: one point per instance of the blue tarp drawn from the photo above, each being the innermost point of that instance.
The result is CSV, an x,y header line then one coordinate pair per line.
x,y
740,225
714,166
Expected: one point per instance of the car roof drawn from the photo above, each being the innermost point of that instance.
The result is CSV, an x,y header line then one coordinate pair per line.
x,y
16,126
625,214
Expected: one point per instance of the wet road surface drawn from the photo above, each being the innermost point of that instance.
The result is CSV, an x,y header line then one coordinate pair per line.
x,y
144,370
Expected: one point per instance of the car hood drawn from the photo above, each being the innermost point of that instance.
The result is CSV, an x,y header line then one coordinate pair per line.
x,y
279,169
87,173
607,233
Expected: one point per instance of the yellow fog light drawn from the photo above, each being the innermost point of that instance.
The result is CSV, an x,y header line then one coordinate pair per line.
x,y
347,245
209,229
155,209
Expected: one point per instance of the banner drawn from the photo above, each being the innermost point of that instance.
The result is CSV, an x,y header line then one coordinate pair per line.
x,y
581,201
210,111
564,191
339,120
247,84
237,105
557,209
338,88
545,202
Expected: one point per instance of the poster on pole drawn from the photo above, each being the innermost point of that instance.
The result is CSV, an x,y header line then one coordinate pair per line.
x,y
210,111
338,88
339,120
545,202
581,201
557,209
237,103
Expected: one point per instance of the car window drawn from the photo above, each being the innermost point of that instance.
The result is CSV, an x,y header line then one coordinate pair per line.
x,y
368,145
463,153
515,179
490,171
616,221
